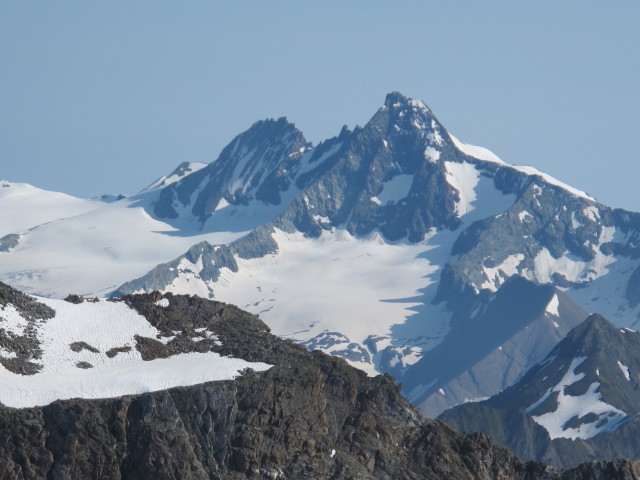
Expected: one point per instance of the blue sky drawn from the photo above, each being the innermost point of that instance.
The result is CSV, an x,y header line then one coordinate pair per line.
x,y
104,97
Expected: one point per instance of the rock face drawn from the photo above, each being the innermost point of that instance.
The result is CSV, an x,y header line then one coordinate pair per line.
x,y
581,403
310,416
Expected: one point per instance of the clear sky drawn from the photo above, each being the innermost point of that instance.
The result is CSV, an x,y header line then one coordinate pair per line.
x,y
104,97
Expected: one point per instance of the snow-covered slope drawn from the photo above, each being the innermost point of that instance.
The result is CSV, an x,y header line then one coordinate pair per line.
x,y
25,207
95,349
96,249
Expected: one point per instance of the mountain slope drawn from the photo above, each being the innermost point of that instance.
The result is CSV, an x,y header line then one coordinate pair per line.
x,y
579,404
488,353
308,416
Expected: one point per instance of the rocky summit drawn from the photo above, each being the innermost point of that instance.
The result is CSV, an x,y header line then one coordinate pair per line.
x,y
308,416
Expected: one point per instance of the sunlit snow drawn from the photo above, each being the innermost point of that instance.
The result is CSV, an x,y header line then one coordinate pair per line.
x,y
571,407
482,153
464,177
497,275
625,370
104,325
552,307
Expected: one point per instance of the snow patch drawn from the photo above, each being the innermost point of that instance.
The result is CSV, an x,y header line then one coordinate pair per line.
x,y
434,135
592,213
222,204
162,303
495,276
625,370
552,306
573,269
523,215
571,407
431,154
321,219
464,177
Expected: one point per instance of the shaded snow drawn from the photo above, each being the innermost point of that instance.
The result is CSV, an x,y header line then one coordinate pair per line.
x,y
162,303
395,189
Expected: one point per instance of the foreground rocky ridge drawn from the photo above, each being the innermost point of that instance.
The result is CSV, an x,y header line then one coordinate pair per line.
x,y
309,416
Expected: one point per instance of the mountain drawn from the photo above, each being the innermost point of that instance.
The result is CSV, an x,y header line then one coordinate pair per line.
x,y
580,403
412,234
290,413
423,232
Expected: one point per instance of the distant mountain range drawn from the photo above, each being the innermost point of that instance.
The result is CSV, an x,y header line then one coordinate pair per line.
x,y
394,245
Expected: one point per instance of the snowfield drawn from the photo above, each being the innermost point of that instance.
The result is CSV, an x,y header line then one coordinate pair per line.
x,y
102,326
89,247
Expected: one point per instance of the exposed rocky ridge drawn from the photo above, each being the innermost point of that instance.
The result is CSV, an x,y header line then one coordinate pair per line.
x,y
9,241
604,360
310,416
203,261
20,345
